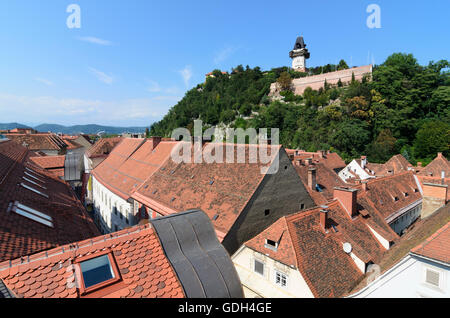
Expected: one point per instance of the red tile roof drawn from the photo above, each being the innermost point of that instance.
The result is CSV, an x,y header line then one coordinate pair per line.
x,y
437,246
381,193
21,236
436,180
143,267
326,178
49,162
219,189
131,163
103,147
330,159
319,255
435,168
39,141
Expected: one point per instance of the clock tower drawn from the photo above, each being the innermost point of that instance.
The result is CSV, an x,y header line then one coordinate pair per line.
x,y
299,55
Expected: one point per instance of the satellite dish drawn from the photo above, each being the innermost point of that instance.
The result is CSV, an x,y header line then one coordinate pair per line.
x,y
347,248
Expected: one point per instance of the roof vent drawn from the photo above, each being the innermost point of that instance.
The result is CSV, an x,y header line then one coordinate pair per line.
x,y
347,248
211,182
215,217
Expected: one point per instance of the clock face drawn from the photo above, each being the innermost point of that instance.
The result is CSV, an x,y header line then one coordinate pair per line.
x,y
298,62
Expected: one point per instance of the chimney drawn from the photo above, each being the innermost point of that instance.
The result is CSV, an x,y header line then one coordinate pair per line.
x,y
364,185
363,161
419,164
347,197
155,140
312,178
328,152
320,153
308,161
390,172
324,217
439,154
298,162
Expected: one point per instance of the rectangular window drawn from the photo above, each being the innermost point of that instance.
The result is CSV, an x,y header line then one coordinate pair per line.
x,y
33,182
259,267
280,279
31,176
33,189
96,271
32,214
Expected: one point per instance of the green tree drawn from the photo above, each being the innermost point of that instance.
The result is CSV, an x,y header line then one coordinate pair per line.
x,y
432,137
285,81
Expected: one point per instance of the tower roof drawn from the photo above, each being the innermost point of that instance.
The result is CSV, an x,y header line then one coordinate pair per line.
x,y
299,43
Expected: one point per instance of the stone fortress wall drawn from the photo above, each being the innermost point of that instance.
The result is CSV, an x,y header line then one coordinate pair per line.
x,y
317,81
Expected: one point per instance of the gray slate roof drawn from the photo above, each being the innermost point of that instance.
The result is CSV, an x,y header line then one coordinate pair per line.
x,y
201,263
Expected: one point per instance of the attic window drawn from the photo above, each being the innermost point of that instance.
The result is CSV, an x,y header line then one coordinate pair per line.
x,y
173,199
32,214
406,194
98,272
272,245
154,192
415,190
34,190
211,182
302,206
35,178
215,217
266,212
32,182
146,186
395,199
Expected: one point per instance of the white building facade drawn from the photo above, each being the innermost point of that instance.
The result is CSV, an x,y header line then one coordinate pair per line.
x,y
414,276
111,212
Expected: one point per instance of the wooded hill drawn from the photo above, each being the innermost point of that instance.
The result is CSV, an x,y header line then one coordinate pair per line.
x,y
403,109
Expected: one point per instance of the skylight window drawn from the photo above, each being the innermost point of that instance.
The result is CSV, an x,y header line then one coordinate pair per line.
x,y
34,190
33,182
32,214
97,272
35,178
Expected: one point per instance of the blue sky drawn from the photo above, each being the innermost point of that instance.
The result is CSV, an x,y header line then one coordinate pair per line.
x,y
132,60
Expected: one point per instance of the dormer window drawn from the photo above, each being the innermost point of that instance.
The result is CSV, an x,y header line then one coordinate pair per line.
x,y
395,199
406,194
272,245
97,272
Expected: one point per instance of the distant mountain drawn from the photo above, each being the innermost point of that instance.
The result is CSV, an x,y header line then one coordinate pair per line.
x,y
77,129
12,126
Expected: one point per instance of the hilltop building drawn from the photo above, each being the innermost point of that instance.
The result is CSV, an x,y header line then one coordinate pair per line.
x,y
299,55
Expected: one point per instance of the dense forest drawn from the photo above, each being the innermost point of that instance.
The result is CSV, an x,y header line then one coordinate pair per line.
x,y
403,108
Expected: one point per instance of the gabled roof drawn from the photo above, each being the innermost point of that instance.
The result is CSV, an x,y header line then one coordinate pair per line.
x,y
39,141
435,167
103,147
131,163
319,255
390,194
331,160
222,190
20,181
176,256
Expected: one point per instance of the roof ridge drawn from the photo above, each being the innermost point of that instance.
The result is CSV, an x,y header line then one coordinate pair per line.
x,y
431,238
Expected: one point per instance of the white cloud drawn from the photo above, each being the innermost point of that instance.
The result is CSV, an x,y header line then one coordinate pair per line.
x,y
102,77
44,81
224,54
186,73
70,111
94,40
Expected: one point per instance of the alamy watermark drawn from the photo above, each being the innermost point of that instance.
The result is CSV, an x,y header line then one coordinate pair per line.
x,y
227,146
74,19
374,19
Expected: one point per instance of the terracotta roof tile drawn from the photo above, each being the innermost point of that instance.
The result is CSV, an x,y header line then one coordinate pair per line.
x,y
20,236
435,168
64,284
103,147
319,255
39,141
436,246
